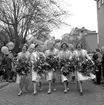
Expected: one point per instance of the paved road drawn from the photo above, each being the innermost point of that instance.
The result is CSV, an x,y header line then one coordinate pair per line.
x,y
93,95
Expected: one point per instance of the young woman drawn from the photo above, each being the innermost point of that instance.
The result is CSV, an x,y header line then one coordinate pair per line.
x,y
81,54
33,59
22,80
51,75
40,55
65,54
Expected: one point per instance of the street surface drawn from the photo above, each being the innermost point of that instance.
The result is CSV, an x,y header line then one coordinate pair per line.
x,y
93,95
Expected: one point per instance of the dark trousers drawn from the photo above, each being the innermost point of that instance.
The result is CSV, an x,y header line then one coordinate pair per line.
x,y
98,75
7,74
103,70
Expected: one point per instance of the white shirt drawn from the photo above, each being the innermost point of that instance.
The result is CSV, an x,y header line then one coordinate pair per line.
x,y
65,54
82,53
23,54
33,57
54,52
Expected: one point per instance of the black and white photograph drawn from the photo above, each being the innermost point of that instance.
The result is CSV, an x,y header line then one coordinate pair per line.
x,y
51,52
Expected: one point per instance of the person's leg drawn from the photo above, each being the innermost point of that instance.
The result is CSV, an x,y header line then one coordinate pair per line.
x,y
54,80
50,86
5,75
73,77
9,74
12,76
99,75
103,73
49,79
26,83
21,85
35,85
40,85
65,86
80,87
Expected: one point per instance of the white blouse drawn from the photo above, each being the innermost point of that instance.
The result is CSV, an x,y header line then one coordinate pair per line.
x,y
23,54
54,52
33,57
65,54
82,53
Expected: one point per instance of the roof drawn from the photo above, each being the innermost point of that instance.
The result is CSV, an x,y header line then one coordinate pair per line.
x,y
76,31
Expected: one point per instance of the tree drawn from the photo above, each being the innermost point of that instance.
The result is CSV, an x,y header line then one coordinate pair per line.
x,y
20,18
3,38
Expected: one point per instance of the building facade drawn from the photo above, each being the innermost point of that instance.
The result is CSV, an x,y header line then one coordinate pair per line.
x,y
88,40
100,15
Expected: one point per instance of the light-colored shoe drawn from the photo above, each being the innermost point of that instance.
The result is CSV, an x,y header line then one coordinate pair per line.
x,y
34,93
65,91
54,89
49,91
20,93
81,93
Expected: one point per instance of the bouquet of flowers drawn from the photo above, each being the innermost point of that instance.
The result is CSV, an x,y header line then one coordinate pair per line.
x,y
84,66
66,66
52,63
22,67
39,65
89,67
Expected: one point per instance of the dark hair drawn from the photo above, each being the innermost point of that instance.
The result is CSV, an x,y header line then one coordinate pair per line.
x,y
98,50
25,46
65,44
78,44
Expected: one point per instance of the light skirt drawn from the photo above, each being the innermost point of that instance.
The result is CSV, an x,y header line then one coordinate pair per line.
x,y
81,77
35,77
64,78
49,76
18,79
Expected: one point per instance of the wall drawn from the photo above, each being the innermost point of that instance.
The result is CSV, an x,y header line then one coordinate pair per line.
x,y
101,25
91,42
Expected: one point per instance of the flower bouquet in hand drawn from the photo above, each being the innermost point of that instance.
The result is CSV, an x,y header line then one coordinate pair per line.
x,y
87,67
52,63
38,65
23,68
65,66
84,66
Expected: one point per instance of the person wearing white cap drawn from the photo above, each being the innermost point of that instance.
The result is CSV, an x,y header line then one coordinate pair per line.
x,y
65,54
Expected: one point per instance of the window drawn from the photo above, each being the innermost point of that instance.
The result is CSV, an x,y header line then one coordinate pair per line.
x,y
98,4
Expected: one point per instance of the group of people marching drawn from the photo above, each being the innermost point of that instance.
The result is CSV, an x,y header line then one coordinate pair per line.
x,y
30,55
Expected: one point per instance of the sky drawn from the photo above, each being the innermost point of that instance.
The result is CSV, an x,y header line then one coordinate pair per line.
x,y
83,14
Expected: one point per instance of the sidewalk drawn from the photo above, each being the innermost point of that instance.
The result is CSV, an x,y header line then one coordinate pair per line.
x,y
3,84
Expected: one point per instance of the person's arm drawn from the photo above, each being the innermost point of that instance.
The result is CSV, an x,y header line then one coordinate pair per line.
x,y
33,58
18,56
71,55
87,56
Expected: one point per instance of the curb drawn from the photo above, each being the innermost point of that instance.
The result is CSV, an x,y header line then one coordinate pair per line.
x,y
4,84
